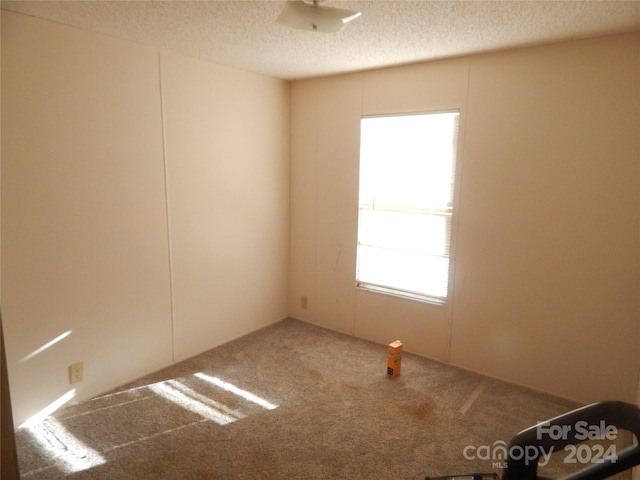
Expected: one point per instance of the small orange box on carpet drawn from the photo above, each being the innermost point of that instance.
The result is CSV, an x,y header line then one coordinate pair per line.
x,y
394,358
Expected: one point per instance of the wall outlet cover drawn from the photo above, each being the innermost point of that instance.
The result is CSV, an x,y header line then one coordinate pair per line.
x,y
76,372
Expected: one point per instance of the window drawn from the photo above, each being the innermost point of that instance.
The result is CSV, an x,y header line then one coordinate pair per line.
x,y
407,173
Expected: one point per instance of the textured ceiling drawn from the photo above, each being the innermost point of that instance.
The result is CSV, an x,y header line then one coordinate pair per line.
x,y
245,35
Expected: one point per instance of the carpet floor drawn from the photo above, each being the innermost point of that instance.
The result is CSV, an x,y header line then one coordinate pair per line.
x,y
292,401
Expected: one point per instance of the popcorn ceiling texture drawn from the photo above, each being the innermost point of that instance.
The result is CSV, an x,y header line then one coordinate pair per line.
x,y
244,33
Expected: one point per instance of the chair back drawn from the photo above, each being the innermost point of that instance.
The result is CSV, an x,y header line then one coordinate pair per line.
x,y
572,428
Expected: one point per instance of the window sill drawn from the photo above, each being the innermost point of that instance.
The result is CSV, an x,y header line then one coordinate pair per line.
x,y
435,301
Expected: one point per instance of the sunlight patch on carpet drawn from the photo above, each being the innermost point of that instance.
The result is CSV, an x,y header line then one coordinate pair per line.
x,y
186,401
49,409
197,393
251,397
67,452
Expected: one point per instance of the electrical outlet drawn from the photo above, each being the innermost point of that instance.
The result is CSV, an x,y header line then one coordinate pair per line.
x,y
76,372
304,302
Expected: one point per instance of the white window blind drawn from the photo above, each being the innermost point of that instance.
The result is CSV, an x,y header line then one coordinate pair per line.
x,y
407,173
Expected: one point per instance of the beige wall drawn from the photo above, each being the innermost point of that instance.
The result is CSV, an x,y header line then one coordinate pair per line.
x,y
142,268
135,186
548,256
546,266
227,145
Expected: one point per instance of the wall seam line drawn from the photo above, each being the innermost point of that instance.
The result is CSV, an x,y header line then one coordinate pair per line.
x,y
167,209
459,176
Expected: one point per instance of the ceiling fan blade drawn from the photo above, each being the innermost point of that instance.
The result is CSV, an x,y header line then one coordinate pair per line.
x,y
301,15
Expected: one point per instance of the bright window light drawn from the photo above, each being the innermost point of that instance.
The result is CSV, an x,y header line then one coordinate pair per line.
x,y
407,173
204,399
51,343
49,409
230,387
69,453
188,403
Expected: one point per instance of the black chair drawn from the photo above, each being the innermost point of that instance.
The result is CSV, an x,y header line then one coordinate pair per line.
x,y
572,428
569,429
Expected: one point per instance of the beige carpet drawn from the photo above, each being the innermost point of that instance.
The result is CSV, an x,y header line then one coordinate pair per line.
x,y
291,401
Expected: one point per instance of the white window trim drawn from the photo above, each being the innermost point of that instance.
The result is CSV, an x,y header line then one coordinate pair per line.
x,y
405,293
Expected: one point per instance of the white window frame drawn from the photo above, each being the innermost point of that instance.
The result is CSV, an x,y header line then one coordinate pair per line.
x,y
432,210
